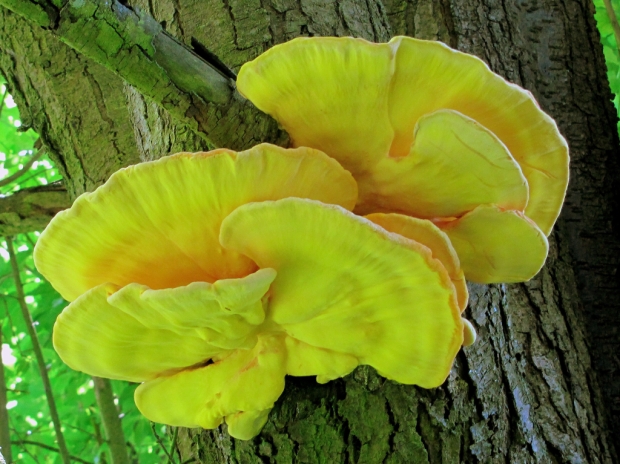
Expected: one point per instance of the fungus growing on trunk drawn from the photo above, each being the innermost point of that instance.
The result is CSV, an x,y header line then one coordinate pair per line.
x,y
208,277
428,132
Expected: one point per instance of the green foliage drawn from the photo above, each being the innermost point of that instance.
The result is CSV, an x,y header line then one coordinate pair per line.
x,y
30,420
16,148
610,48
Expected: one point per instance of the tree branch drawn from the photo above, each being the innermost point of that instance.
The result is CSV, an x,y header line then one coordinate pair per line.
x,y
6,92
5,436
111,422
173,445
64,453
48,447
161,443
196,92
613,19
32,209
23,170
127,42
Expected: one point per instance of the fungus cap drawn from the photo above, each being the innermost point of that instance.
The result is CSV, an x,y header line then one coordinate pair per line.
x,y
425,130
428,234
157,223
321,290
347,285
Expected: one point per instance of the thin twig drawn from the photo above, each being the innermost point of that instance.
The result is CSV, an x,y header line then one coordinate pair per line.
x,y
32,270
134,452
159,441
48,447
21,354
32,244
6,92
88,443
173,445
85,432
32,176
16,390
97,429
4,277
16,432
5,436
64,453
17,347
614,22
23,170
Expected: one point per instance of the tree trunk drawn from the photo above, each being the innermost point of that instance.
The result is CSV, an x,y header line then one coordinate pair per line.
x,y
528,390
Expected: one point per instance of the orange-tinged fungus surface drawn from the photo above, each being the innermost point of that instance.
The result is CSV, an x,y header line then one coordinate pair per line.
x,y
157,223
209,277
425,130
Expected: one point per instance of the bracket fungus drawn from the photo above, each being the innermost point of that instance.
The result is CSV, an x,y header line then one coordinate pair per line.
x,y
428,132
208,277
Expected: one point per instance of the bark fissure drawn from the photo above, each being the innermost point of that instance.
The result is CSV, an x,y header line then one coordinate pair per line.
x,y
233,22
446,10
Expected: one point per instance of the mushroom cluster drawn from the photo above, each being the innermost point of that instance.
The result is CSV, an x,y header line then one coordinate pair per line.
x,y
209,277
428,132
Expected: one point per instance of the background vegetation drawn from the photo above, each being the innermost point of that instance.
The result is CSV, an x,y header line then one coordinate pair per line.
x,y
609,28
32,433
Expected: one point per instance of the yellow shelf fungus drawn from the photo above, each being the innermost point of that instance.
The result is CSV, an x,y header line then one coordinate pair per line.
x,y
158,223
209,277
428,132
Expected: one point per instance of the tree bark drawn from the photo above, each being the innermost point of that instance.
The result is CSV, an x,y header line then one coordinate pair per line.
x,y
77,107
31,209
529,389
198,91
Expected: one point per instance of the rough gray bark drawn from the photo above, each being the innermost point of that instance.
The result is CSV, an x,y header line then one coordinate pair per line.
x,y
526,391
552,48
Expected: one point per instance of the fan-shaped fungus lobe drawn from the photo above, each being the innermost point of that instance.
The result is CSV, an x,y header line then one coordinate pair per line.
x,y
428,132
209,277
